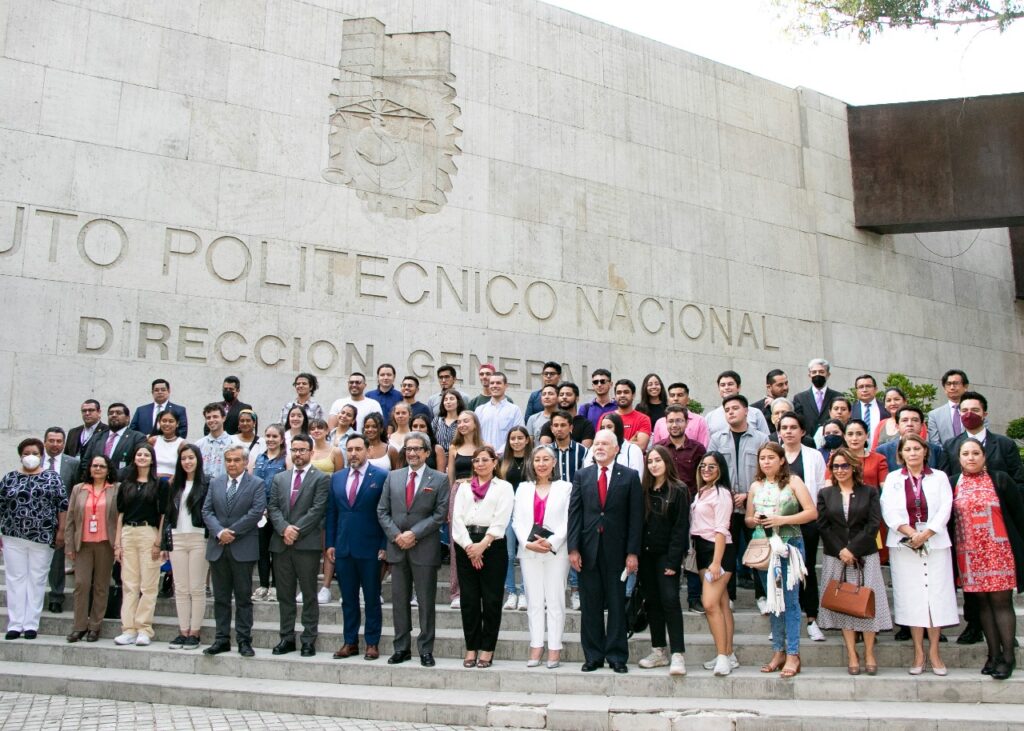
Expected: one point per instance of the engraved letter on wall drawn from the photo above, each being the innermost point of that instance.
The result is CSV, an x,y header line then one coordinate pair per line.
x,y
393,133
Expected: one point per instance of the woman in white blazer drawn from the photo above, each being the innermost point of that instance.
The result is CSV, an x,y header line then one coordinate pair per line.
x,y
543,499
916,502
807,464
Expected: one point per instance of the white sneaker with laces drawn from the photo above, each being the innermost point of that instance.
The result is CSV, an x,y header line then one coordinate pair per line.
x,y
657,659
678,666
271,595
723,665
126,638
733,662
456,603
414,602
815,633
574,599
323,596
510,603
298,597
260,595
142,640
762,605
521,604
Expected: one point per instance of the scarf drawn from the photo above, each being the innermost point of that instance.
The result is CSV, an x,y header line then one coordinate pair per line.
x,y
796,574
479,491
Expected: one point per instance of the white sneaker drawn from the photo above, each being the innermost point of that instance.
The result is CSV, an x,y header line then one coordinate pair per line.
x,y
456,603
510,603
298,597
762,605
678,666
142,640
733,662
815,633
323,596
521,604
413,602
657,659
260,595
574,599
271,595
125,638
723,665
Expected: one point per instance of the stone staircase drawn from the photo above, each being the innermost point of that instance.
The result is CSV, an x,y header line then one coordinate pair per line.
x,y
509,694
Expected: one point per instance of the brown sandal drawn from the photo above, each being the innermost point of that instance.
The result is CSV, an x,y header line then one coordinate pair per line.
x,y
789,671
775,664
469,662
483,664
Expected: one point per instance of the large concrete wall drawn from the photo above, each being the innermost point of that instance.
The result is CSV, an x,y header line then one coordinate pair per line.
x,y
164,210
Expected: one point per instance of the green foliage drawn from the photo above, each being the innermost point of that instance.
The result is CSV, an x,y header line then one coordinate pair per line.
x,y
1015,429
920,395
696,406
866,17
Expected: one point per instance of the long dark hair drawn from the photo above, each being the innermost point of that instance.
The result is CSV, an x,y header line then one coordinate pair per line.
x,y
507,456
723,480
305,419
199,480
131,473
644,407
460,403
618,427
783,476
674,487
111,478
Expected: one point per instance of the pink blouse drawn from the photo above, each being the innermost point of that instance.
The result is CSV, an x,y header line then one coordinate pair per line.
x,y
711,513
540,504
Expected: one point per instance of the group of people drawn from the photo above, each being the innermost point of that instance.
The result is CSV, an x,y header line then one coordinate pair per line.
x,y
586,499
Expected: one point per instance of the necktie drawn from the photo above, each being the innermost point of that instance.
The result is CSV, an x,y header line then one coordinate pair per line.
x,y
53,467
410,490
353,488
296,484
110,444
819,397
958,426
866,412
602,486
156,413
232,491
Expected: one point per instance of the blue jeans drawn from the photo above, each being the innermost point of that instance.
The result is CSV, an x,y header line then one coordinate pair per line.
x,y
786,626
574,579
693,588
510,574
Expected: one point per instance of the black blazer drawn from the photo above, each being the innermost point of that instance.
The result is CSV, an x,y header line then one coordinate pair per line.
x,y
857,412
806,408
1001,455
858,532
121,456
622,519
71,445
142,419
174,507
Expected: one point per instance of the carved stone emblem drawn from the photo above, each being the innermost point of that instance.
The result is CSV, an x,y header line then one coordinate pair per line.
x,y
393,133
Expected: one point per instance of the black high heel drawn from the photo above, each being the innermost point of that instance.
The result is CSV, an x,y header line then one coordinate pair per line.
x,y
986,669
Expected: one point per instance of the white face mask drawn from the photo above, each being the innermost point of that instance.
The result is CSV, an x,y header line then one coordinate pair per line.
x,y
31,461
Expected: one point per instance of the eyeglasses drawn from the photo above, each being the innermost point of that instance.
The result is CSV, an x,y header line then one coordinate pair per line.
x,y
599,381
708,467
482,460
415,449
841,466
550,373
300,450
355,383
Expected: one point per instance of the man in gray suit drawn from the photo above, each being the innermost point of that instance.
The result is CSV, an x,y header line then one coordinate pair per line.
x,y
944,422
234,505
67,467
412,509
298,501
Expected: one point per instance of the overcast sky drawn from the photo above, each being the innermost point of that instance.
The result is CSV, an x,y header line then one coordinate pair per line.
x,y
898,65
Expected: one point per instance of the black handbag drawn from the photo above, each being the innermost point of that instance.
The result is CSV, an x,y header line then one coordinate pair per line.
x,y
636,614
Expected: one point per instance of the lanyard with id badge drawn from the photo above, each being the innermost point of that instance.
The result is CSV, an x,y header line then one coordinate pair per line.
x,y
91,505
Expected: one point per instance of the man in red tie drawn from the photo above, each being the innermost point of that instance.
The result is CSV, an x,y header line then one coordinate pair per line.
x,y
411,512
355,542
298,501
605,529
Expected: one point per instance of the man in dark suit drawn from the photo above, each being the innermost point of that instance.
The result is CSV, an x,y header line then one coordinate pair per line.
x,y
411,511
868,407
145,418
812,405
67,467
118,442
355,542
298,501
234,505
605,530
232,405
909,420
776,385
1001,455
78,436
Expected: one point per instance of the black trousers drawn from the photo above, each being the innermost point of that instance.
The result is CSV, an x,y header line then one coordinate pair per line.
x,y
661,594
809,589
265,562
481,593
601,588
231,577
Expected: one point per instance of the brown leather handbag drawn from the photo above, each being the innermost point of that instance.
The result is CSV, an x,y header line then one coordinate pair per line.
x,y
855,600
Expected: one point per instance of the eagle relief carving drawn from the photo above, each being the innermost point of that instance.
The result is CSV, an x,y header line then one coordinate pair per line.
x,y
393,135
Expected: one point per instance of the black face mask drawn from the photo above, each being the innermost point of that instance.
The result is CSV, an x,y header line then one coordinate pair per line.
x,y
819,382
833,441
229,396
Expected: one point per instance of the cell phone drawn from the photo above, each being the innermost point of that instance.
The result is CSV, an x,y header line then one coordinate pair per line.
x,y
762,516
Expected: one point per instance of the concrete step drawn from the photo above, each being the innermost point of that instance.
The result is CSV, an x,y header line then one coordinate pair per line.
x,y
483,706
512,645
892,684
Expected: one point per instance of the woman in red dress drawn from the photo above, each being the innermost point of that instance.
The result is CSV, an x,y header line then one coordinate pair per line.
x,y
989,516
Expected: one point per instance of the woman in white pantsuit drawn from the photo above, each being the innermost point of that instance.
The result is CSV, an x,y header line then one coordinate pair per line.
x,y
543,499
916,502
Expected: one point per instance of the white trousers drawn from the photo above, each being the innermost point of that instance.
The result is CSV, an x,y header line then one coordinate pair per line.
x,y
27,565
544,581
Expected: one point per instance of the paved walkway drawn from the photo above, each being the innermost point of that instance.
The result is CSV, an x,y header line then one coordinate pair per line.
x,y
27,712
